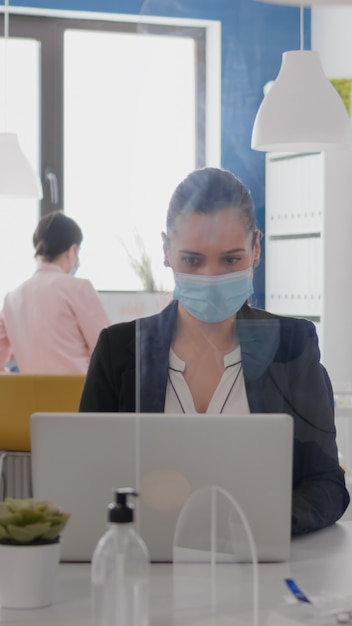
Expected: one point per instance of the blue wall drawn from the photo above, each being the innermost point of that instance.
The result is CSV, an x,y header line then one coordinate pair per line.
x,y
254,35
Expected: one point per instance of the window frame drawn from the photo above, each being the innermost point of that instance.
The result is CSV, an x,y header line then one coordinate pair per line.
x,y
49,31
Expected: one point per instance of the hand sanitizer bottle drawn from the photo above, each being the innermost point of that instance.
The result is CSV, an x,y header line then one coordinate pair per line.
x,y
120,570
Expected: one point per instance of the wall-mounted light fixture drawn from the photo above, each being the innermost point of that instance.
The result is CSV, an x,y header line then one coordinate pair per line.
x,y
302,111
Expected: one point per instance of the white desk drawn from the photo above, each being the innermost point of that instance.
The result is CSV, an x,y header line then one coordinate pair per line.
x,y
320,563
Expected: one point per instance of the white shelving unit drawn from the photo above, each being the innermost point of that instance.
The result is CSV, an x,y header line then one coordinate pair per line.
x,y
308,243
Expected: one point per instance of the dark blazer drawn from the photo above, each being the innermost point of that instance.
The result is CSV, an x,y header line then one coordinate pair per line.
x,y
282,373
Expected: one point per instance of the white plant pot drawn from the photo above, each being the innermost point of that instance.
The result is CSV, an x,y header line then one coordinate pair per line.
x,y
28,575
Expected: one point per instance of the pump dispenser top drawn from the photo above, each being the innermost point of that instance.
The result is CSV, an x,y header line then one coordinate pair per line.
x,y
120,511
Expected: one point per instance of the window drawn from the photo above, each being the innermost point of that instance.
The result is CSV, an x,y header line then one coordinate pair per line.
x,y
123,118
122,162
19,113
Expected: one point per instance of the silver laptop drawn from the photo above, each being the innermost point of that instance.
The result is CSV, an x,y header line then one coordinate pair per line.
x,y
198,477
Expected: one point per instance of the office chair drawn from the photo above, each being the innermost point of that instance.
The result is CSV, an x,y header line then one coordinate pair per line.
x,y
20,396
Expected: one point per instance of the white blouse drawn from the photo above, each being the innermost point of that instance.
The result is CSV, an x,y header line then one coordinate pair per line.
x,y
230,396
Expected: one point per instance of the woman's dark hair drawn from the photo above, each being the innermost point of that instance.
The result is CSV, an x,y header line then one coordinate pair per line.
x,y
55,234
207,190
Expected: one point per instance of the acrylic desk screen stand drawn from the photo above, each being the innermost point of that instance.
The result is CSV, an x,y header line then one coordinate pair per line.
x,y
212,535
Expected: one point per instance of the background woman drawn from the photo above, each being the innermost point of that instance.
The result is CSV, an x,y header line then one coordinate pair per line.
x,y
50,323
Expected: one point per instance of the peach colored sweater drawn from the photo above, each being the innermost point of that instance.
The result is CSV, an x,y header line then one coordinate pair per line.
x,y
50,323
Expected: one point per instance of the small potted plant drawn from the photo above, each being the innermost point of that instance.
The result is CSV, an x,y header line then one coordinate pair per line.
x,y
29,551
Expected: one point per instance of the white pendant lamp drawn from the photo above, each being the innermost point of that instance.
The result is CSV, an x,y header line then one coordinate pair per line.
x,y
302,111
17,177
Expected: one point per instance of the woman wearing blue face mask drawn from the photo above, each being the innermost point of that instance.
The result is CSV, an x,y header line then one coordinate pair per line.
x,y
210,351
51,322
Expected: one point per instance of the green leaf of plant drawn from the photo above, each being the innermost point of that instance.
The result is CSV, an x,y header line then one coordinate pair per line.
x,y
56,529
27,534
31,516
3,533
15,504
10,518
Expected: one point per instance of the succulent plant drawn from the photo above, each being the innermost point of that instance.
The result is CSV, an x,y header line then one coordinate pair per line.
x,y
28,521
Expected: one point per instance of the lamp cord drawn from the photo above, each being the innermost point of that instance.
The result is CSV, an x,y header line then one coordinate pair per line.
x,y
6,19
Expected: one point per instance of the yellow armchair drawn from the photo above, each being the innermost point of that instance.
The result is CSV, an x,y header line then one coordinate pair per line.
x,y
24,394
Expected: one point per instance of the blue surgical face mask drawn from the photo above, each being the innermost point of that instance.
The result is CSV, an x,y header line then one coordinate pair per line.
x,y
213,298
75,269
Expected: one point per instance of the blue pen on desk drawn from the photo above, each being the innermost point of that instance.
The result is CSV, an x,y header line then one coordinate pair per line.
x,y
341,616
296,591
